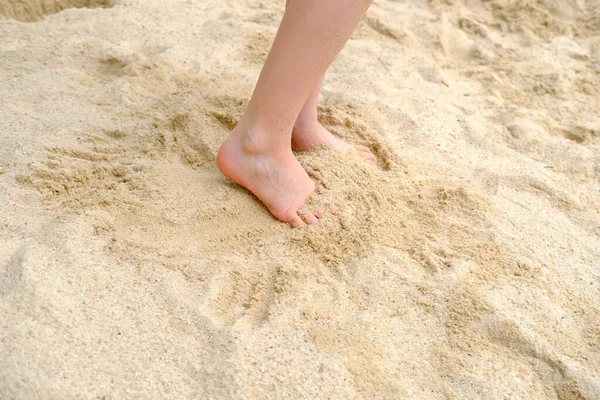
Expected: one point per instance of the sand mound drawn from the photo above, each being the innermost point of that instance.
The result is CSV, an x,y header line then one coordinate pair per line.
x,y
463,265
33,10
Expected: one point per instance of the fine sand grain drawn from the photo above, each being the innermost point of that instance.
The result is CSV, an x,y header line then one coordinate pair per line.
x,y
464,265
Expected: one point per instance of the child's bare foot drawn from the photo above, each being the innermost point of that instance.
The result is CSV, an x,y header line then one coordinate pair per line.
x,y
309,37
272,175
305,136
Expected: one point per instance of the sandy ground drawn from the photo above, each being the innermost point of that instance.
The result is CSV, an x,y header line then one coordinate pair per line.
x,y
465,265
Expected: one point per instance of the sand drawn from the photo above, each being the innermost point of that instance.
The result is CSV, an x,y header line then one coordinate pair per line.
x,y
464,265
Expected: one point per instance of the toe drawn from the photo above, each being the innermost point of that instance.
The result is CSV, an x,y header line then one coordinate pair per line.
x,y
362,148
335,210
320,213
295,221
369,157
365,153
308,216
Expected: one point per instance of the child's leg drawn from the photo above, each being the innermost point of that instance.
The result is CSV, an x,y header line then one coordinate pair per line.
x,y
257,154
308,132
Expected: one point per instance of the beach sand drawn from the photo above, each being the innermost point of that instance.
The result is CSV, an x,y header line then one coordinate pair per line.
x,y
464,265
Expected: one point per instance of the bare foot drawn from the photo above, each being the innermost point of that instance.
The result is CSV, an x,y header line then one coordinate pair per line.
x,y
274,176
313,134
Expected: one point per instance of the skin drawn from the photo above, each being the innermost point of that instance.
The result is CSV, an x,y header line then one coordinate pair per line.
x,y
308,131
283,109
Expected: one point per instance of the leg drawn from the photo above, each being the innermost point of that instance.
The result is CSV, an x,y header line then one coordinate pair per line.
x,y
308,131
257,154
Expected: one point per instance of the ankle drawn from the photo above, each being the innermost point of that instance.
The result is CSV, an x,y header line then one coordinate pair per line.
x,y
306,120
306,125
255,141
